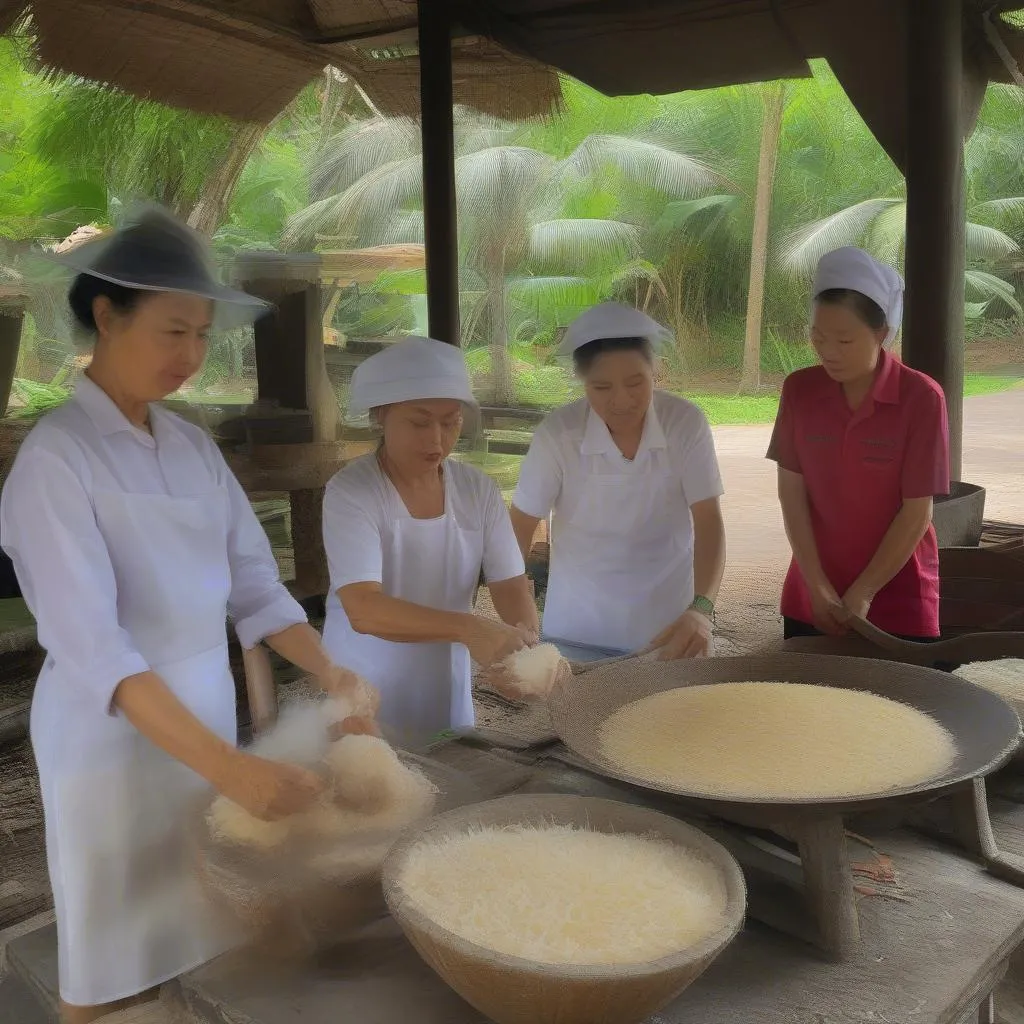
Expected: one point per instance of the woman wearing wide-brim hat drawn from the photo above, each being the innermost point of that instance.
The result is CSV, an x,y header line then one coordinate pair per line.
x,y
133,544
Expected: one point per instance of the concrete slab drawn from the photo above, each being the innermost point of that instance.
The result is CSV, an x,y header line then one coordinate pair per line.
x,y
19,1005
32,958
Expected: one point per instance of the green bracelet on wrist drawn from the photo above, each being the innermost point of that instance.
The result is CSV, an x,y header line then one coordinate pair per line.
x,y
703,605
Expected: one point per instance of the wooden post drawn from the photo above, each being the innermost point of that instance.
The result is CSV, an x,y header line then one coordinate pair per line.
x,y
828,883
11,320
933,336
440,217
292,371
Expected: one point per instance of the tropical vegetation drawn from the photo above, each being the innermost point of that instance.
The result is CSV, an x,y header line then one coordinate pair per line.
x,y
707,209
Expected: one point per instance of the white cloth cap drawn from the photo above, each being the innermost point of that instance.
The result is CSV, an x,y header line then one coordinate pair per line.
x,y
611,320
414,368
858,271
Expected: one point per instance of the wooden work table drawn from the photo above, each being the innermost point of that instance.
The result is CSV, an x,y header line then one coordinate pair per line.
x,y
932,956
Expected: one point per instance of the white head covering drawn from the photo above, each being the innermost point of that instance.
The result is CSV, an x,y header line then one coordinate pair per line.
x,y
611,320
411,369
858,271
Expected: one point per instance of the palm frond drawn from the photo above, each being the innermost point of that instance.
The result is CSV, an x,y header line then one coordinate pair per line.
x,y
698,218
887,235
361,208
402,226
800,251
582,246
359,149
988,288
645,164
562,296
1009,207
501,178
988,243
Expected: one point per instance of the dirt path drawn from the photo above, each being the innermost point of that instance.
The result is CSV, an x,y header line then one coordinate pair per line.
x,y
758,552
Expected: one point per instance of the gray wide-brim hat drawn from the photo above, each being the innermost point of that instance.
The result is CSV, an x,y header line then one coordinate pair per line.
x,y
156,252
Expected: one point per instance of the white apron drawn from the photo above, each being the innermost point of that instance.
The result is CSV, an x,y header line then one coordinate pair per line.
x,y
622,562
424,688
130,914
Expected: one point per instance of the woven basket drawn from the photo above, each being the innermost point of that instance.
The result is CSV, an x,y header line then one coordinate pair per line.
x,y
509,990
281,905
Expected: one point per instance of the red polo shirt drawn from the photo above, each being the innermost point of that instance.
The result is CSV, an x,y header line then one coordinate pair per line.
x,y
858,467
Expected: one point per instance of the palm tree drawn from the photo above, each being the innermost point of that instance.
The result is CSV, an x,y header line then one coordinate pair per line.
x,y
879,225
773,98
525,248
995,216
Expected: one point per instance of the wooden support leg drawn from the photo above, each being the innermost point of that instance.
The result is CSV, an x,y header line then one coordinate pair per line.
x,y
987,1010
828,883
311,576
973,830
11,321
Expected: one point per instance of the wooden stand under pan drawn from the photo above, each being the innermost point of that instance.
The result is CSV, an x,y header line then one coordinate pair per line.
x,y
986,730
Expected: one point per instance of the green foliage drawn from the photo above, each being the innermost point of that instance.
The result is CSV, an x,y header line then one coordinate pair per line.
x,y
38,398
644,199
133,149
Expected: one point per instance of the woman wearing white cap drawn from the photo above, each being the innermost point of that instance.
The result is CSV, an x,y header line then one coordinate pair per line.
x,y
407,532
630,472
862,444
133,543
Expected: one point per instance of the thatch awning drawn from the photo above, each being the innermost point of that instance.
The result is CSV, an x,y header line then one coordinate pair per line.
x,y
248,58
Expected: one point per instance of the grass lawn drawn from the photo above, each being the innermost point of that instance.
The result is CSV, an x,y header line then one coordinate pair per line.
x,y
724,410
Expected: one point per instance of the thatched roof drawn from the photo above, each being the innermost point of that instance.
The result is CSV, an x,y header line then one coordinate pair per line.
x,y
248,58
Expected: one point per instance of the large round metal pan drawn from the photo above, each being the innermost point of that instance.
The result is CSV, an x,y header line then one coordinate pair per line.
x,y
986,729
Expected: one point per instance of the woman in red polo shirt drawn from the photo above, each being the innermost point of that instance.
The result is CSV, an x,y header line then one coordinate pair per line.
x,y
861,442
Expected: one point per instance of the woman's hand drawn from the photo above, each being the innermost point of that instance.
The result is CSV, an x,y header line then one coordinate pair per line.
x,y
504,683
354,725
269,789
827,610
857,602
345,685
490,642
690,636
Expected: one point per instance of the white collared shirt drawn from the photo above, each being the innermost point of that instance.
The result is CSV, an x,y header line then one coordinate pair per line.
x,y
573,442
48,528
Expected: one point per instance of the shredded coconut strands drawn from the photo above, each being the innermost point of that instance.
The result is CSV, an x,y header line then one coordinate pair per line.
x,y
230,823
534,670
1005,677
374,792
562,895
775,741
